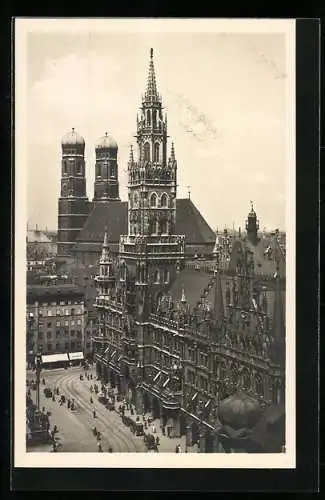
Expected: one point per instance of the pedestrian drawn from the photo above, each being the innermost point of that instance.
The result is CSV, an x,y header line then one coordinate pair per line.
x,y
94,431
99,436
55,429
57,391
69,403
176,449
94,413
91,388
91,400
110,450
157,441
99,445
163,431
91,376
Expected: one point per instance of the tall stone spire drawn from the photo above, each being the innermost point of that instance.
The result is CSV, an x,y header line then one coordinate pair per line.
x,y
131,157
172,153
183,298
105,257
279,320
218,299
151,93
216,246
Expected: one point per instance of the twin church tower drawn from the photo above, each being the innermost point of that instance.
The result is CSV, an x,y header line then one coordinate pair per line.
x,y
152,167
74,206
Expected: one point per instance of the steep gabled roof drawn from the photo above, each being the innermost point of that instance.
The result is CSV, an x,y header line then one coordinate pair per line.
x,y
114,216
193,283
190,222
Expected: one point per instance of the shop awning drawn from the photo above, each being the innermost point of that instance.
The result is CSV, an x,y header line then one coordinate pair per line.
x,y
76,355
54,358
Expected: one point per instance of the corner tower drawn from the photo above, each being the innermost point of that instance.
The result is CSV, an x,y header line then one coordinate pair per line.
x,y
73,201
106,186
252,226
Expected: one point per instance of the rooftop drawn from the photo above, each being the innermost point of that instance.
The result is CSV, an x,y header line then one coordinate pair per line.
x,y
114,216
34,291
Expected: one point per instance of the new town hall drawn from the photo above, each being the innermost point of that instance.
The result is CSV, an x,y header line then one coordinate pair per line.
x,y
199,341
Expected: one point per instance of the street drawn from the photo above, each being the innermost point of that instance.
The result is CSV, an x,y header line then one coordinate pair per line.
x,y
75,427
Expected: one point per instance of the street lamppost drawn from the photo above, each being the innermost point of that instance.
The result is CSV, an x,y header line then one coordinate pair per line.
x,y
30,338
178,373
38,365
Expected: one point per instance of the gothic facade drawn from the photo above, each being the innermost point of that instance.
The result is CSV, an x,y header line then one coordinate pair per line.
x,y
176,338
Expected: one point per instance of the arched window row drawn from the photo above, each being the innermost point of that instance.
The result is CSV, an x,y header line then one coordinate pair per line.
x,y
156,152
161,276
161,201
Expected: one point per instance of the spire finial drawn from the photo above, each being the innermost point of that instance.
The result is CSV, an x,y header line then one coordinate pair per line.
x,y
216,246
105,134
183,299
151,93
131,158
252,206
72,129
189,192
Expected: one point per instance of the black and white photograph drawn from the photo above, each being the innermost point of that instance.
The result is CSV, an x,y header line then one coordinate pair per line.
x,y
155,243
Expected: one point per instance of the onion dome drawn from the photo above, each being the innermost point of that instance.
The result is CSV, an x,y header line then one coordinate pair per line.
x,y
106,142
239,411
72,139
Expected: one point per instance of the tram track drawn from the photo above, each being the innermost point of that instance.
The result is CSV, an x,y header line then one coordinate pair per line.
x,y
113,434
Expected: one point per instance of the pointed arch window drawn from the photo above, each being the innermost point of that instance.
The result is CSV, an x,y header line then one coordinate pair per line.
x,y
65,169
166,276
164,227
154,118
148,118
153,200
146,151
164,200
156,276
156,152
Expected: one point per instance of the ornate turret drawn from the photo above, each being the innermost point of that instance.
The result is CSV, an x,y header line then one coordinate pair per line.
x,y
252,226
279,321
106,277
106,186
152,199
73,201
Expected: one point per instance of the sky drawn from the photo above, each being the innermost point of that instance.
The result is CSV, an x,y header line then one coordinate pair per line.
x,y
224,94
